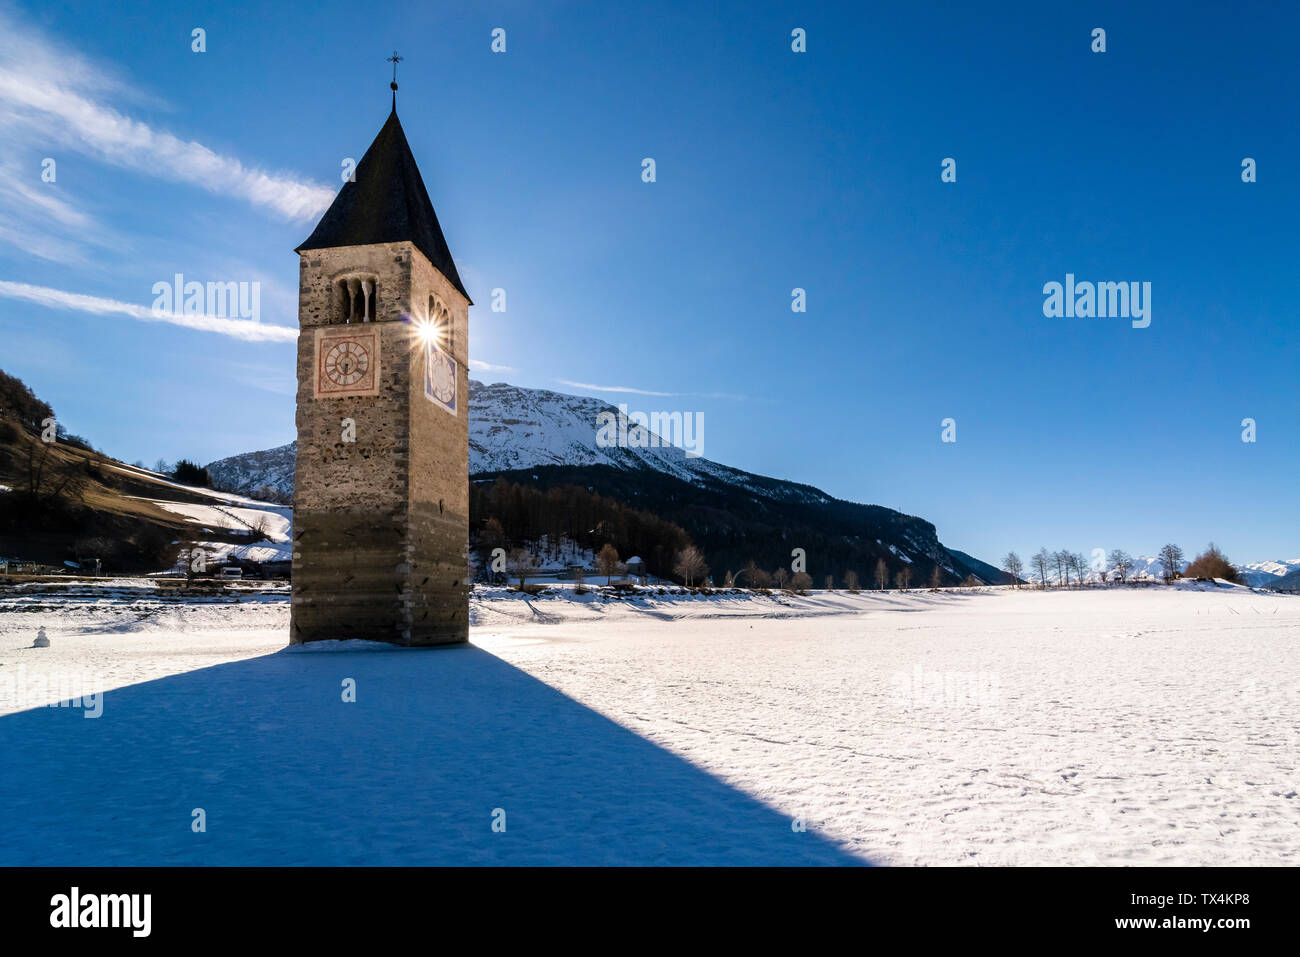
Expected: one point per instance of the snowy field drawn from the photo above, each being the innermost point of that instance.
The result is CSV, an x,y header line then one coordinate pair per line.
x,y
1152,726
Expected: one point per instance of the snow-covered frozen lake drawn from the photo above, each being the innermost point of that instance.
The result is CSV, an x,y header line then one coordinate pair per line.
x,y
1151,726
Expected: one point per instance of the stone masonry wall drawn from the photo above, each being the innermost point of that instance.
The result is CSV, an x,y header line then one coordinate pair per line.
x,y
381,524
438,493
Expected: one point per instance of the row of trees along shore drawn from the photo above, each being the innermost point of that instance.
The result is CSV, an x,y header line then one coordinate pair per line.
x,y
1067,567
692,569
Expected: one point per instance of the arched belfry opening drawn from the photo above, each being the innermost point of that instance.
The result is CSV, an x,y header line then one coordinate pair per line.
x,y
356,298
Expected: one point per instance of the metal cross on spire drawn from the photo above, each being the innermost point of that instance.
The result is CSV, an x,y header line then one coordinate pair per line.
x,y
394,60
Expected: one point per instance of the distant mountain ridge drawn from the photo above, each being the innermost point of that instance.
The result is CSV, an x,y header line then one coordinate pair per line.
x,y
1267,574
547,438
1288,582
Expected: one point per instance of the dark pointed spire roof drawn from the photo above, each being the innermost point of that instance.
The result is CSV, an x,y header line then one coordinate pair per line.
x,y
387,203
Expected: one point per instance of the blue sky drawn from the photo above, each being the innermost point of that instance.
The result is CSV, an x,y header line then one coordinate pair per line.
x,y
775,170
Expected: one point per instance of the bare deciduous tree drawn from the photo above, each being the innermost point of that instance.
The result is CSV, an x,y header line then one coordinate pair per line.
x,y
1061,565
607,562
1122,562
690,565
756,577
260,527
521,563
851,582
1042,561
1171,557
882,574
1014,567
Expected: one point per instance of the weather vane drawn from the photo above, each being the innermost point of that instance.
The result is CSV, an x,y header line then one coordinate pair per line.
x,y
394,60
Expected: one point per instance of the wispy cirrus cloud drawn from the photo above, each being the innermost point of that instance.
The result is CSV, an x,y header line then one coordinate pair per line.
x,y
478,365
41,220
46,202
52,95
245,329
667,395
615,388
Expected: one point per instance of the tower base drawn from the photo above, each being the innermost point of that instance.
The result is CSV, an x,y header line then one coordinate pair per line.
x,y
368,574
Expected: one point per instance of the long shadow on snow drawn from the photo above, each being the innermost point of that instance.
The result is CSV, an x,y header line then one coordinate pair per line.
x,y
287,773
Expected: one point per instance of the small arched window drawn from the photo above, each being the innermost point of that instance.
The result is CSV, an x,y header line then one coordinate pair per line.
x,y
357,298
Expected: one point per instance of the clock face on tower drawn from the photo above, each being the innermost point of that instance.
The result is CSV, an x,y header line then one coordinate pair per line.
x,y
347,362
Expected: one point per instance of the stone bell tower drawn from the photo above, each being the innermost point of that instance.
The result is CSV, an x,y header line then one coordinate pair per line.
x,y
381,490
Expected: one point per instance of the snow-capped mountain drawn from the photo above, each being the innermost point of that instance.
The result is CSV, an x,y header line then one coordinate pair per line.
x,y
1288,582
1260,574
267,474
514,428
